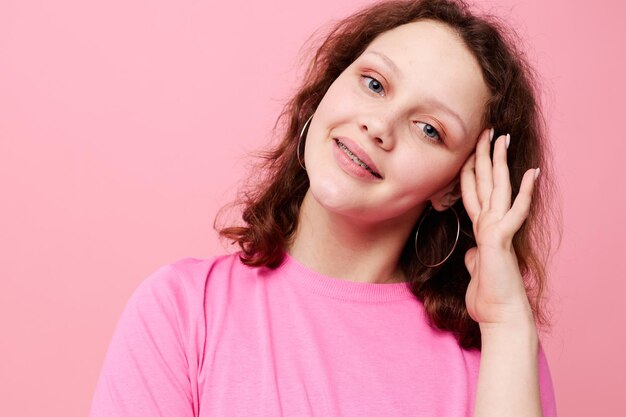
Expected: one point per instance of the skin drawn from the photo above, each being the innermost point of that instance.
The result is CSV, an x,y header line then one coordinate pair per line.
x,y
355,229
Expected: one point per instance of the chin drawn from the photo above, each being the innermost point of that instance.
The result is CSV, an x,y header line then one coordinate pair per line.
x,y
328,197
329,194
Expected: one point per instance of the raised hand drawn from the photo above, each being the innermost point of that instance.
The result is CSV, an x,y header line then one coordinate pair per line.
x,y
496,297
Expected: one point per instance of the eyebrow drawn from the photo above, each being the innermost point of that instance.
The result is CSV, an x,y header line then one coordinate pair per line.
x,y
432,101
388,61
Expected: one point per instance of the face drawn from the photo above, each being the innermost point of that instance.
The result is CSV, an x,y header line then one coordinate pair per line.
x,y
410,108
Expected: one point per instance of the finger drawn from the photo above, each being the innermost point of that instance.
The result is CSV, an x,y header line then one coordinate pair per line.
x,y
521,206
468,188
484,178
500,201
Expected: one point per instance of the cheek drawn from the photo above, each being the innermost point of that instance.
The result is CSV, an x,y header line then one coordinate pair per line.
x,y
427,173
338,101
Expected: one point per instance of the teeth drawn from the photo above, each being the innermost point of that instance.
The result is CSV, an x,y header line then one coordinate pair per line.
x,y
354,157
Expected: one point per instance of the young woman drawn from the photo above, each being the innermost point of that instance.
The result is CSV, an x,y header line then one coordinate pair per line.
x,y
390,260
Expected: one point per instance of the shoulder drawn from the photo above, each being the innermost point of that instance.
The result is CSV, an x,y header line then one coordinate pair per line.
x,y
181,283
191,272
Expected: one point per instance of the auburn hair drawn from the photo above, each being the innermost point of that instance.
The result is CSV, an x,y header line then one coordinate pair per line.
x,y
271,200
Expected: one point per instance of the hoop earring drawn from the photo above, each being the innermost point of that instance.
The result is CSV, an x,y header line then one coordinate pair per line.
x,y
306,125
458,229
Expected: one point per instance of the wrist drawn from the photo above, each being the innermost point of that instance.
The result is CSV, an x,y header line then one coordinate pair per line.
x,y
523,333
515,317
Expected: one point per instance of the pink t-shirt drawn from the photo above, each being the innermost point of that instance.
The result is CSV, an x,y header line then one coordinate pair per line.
x,y
214,337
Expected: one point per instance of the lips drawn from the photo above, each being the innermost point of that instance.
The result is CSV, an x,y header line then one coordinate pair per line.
x,y
357,151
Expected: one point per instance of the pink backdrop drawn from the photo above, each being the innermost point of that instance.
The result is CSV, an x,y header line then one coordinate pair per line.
x,y
125,125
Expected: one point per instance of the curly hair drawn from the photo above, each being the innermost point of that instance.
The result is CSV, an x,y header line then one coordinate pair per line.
x,y
272,200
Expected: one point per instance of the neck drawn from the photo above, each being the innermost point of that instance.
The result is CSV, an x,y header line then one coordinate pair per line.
x,y
348,248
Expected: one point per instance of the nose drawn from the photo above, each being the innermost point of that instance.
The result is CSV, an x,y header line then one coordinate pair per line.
x,y
377,127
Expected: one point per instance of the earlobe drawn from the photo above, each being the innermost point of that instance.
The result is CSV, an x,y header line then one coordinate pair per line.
x,y
455,194
448,196
450,202
447,201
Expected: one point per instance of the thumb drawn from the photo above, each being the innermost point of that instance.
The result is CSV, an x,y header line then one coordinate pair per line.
x,y
470,258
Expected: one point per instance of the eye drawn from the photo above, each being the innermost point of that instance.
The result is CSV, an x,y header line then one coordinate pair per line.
x,y
429,132
373,84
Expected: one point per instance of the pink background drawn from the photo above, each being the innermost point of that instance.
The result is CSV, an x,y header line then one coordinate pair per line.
x,y
126,125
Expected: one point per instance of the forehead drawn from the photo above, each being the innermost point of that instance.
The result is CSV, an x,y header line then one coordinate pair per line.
x,y
423,33
432,61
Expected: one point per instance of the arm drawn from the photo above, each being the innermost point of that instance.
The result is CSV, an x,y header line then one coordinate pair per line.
x,y
508,377
145,370
509,374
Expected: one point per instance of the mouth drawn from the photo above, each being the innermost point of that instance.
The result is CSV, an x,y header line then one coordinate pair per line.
x,y
356,159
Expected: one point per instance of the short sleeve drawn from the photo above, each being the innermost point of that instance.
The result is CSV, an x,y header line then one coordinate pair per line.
x,y
145,370
548,399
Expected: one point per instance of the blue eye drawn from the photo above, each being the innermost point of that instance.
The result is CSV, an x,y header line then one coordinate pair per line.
x,y
373,84
430,132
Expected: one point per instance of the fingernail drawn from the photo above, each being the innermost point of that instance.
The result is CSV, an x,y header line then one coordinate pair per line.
x,y
537,173
508,140
491,134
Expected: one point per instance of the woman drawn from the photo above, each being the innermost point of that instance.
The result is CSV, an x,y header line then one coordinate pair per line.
x,y
389,265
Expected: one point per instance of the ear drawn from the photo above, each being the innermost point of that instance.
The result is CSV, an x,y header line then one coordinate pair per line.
x,y
447,196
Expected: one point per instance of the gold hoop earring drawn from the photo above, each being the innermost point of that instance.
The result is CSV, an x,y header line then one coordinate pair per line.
x,y
304,128
458,229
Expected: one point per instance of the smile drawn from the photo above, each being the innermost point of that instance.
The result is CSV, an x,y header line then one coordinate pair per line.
x,y
356,160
